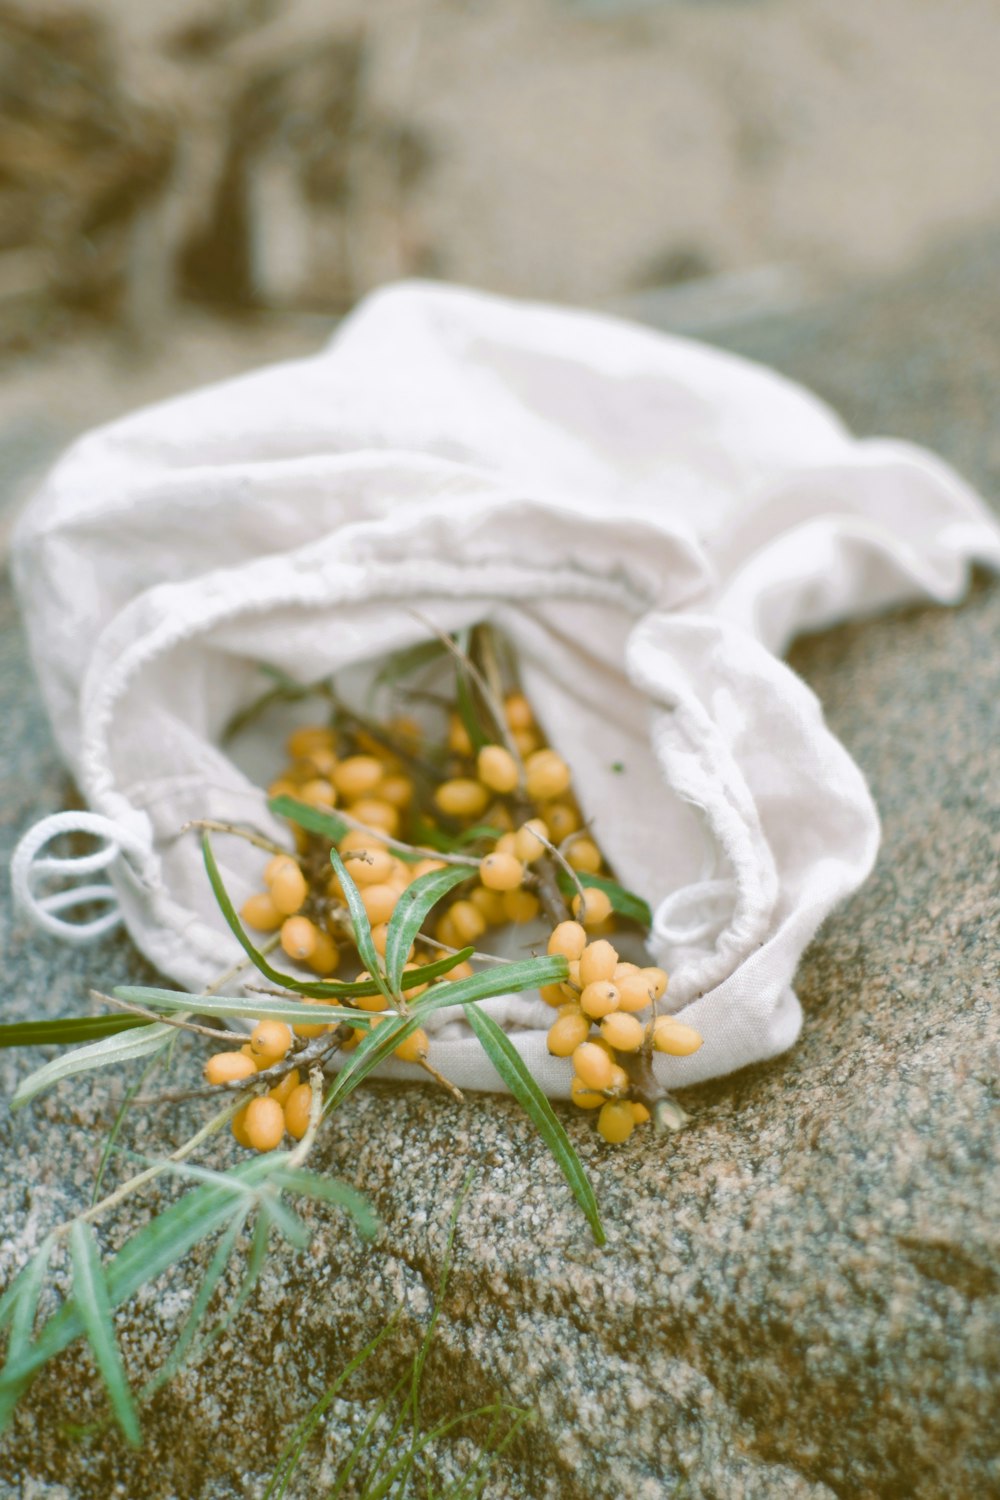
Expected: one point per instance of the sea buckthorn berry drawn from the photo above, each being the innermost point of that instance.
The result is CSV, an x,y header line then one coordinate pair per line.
x,y
501,872
620,1082
288,889
562,821
299,938
264,1123
462,798
380,937
633,992
624,1032
309,738
283,787
369,866
415,1047
584,1097
270,1040
298,1107
238,1126
593,1065
552,994
396,789
566,1034
425,866
506,844
593,908
657,980
571,985
227,1067
323,761
325,957
599,999
309,1029
467,921
674,1038
597,961
520,906
379,902
374,813
260,913
318,793
640,1113
282,1090
616,1121
276,864
458,736
490,904
497,768
413,991
622,971
546,775
357,776
356,840
444,931
517,711
569,939
526,742
527,845
464,970
583,854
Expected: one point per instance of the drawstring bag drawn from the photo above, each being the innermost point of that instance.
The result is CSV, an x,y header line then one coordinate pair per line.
x,y
648,521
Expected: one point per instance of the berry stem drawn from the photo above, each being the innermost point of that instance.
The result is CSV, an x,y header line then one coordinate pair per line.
x,y
259,840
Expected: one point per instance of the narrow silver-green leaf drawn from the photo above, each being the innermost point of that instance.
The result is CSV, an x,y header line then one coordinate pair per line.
x,y
362,927
23,1304
124,1047
66,1031
517,1076
90,1294
261,1007
312,819
411,912
329,1190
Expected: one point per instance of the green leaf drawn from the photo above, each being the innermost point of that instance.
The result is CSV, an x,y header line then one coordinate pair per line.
x,y
433,837
330,1190
287,1222
403,663
313,819
66,1031
626,903
411,911
113,1051
259,1007
20,1301
466,705
367,951
517,1076
90,1295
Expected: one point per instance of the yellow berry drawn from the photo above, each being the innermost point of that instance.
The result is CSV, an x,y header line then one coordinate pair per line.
x,y
506,844
584,1097
490,904
501,872
594,908
546,775
302,742
657,981
356,841
562,821
357,776
238,1127
318,793
634,992
566,1034
552,994
616,1121
264,1123
520,906
396,789
462,798
283,1090
597,961
413,991
276,864
517,711
620,1081
674,1038
325,957
309,1029
298,938
622,971
569,939
526,742
260,912
288,889
464,970
640,1113
527,845
379,902
414,1049
298,1107
467,922
497,768
593,1065
624,1032
226,1067
374,813
458,736
584,855
323,761
270,1040
599,999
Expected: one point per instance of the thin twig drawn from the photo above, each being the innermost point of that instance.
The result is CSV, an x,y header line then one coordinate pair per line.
x,y
495,709
446,1083
385,838
483,958
212,825
561,860
152,1015
302,1150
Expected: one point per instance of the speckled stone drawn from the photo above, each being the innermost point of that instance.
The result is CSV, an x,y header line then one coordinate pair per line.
x,y
798,1297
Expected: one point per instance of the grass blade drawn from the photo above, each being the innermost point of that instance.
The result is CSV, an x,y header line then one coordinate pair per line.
x,y
20,1301
516,1075
90,1294
111,1052
411,912
625,903
66,1031
330,1190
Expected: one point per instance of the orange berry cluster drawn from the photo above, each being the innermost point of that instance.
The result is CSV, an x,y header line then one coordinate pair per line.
x,y
602,992
261,1123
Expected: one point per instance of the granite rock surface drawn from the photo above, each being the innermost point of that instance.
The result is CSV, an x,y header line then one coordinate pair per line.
x,y
799,1294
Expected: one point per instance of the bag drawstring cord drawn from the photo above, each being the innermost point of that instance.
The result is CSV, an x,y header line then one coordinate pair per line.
x,y
27,868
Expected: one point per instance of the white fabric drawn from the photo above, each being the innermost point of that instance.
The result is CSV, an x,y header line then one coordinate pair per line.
x,y
649,520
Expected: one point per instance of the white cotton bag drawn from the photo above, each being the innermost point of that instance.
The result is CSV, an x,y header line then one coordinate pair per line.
x,y
648,520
